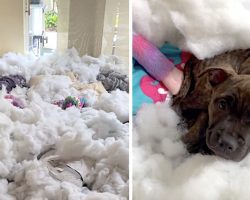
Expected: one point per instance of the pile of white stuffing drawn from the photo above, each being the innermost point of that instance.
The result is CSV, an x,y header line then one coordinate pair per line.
x,y
203,27
163,169
91,142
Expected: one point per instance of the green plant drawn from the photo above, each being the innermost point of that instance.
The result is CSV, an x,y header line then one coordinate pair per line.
x,y
51,18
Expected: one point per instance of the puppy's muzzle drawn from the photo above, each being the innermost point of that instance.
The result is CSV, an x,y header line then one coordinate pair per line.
x,y
225,144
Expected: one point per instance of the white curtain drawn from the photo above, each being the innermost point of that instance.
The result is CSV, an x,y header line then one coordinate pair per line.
x,y
116,29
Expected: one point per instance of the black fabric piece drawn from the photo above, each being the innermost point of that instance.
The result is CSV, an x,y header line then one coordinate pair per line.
x,y
12,81
113,80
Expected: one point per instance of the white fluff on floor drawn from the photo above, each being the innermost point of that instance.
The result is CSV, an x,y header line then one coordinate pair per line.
x,y
95,137
162,168
204,27
111,102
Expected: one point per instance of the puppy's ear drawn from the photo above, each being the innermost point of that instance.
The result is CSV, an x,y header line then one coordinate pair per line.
x,y
217,75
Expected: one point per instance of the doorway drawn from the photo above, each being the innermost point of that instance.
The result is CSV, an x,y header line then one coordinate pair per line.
x,y
42,26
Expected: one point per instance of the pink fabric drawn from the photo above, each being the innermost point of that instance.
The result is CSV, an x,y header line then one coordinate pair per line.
x,y
15,101
153,89
157,91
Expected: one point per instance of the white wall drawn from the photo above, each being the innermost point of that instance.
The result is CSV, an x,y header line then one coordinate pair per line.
x,y
12,26
80,25
86,26
63,25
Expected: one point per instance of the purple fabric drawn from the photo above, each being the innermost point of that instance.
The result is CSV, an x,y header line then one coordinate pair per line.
x,y
150,57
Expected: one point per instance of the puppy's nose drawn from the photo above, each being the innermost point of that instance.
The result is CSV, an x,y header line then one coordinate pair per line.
x,y
227,143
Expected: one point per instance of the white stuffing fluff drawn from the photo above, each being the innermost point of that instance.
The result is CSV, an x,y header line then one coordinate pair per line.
x,y
92,136
162,168
111,102
203,27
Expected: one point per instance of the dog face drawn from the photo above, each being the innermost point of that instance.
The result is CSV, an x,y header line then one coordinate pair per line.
x,y
228,132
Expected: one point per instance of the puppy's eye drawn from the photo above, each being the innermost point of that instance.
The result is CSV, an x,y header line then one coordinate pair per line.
x,y
222,104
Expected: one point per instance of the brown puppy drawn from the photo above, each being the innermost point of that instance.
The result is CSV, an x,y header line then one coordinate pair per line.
x,y
214,100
